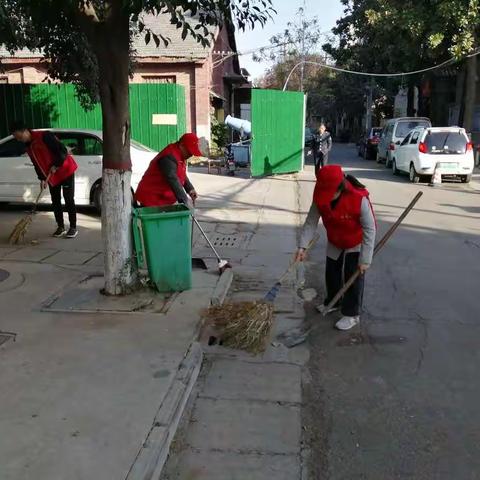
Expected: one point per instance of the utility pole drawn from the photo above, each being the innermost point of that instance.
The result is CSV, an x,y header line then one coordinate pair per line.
x,y
369,104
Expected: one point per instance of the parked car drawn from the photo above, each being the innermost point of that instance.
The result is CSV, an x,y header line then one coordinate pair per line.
x,y
19,182
393,134
309,137
368,144
447,147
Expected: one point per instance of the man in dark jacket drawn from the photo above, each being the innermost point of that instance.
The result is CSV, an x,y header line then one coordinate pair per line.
x,y
322,147
54,166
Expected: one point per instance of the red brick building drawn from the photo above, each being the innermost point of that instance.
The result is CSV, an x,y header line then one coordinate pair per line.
x,y
210,75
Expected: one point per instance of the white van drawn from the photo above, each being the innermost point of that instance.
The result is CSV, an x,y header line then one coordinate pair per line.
x,y
394,131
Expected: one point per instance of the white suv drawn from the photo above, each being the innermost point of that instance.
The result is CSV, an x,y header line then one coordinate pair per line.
x,y
448,148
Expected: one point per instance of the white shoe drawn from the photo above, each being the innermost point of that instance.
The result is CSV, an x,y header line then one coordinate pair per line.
x,y
346,323
323,309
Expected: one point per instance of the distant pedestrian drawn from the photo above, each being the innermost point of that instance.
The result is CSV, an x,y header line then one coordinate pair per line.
x,y
52,161
347,214
322,145
165,181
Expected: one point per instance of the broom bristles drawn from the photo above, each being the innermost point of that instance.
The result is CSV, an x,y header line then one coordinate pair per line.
x,y
20,230
243,325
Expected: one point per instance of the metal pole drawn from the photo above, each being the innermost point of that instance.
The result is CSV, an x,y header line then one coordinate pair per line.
x,y
368,119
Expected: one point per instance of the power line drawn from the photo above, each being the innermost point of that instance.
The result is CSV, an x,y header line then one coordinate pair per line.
x,y
372,74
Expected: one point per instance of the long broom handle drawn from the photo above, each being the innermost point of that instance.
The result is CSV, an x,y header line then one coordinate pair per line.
x,y
294,262
40,193
206,238
378,247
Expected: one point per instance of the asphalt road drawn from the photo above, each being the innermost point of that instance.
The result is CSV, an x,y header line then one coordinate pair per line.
x,y
398,398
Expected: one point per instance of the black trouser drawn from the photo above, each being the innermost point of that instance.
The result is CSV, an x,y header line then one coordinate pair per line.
x,y
337,272
321,159
68,187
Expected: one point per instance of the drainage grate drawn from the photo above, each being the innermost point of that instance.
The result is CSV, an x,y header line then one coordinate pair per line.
x,y
230,241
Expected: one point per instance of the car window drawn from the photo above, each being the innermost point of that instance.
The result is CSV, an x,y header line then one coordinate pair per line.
x,y
72,141
415,136
407,139
405,126
446,142
12,148
92,146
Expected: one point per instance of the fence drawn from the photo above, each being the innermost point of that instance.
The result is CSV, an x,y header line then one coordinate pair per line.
x,y
158,114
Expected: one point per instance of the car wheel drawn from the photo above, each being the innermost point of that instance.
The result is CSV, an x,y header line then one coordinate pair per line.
x,y
379,158
97,198
394,168
466,178
414,177
388,163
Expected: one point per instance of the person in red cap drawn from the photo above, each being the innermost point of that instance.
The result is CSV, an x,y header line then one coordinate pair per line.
x,y
343,204
165,181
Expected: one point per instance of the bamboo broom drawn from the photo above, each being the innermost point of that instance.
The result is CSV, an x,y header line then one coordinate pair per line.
x,y
21,228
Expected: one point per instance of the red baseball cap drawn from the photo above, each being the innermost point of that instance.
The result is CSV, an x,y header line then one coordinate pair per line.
x,y
190,142
329,179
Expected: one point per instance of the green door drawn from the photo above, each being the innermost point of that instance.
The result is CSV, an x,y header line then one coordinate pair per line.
x,y
278,123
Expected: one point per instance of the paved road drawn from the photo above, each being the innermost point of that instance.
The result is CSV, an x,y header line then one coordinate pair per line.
x,y
398,398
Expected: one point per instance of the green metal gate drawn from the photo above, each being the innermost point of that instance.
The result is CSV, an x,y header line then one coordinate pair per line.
x,y
278,123
158,113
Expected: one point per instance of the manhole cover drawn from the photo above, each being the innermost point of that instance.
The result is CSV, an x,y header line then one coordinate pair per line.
x,y
4,275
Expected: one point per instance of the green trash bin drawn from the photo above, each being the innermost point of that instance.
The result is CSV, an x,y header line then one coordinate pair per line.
x,y
162,237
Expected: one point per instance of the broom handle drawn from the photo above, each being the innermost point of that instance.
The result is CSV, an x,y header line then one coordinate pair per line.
x,y
40,193
378,247
294,262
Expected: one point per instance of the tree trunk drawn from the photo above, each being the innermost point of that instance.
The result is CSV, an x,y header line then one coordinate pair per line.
x,y
470,93
411,100
110,41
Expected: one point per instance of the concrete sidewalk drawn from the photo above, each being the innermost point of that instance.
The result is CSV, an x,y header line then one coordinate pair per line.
x,y
88,394
99,395
245,419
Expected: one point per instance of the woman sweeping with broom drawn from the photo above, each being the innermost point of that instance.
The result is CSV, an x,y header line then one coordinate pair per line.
x,y
343,204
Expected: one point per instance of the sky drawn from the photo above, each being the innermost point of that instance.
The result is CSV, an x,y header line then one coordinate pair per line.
x,y
327,12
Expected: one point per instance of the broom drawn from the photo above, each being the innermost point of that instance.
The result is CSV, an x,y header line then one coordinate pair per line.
x,y
21,228
246,325
299,335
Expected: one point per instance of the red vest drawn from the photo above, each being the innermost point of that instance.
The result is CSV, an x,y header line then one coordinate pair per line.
x,y
153,189
41,156
343,226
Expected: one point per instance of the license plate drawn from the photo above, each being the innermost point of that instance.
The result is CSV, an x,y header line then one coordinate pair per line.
x,y
449,166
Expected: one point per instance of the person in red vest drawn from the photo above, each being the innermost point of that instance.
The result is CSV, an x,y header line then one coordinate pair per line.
x,y
343,204
165,181
54,166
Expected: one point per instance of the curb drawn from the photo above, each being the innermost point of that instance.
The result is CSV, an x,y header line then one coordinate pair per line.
x,y
153,454
222,288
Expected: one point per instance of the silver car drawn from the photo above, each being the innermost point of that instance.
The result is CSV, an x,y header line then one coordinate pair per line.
x,y
393,134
